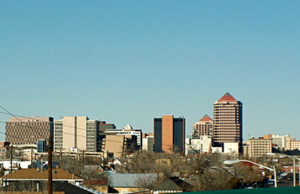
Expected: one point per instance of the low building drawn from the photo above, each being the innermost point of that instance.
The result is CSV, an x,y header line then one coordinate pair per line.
x,y
200,145
127,183
121,142
38,178
231,148
4,146
148,142
259,147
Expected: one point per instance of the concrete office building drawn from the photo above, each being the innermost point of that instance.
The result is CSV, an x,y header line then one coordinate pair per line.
x,y
148,142
78,133
227,121
114,146
231,148
103,126
259,147
282,142
27,130
169,134
133,137
201,145
203,127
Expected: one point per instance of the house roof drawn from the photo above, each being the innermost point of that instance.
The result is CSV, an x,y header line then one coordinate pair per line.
x,y
68,188
167,184
127,180
95,182
227,98
33,174
205,118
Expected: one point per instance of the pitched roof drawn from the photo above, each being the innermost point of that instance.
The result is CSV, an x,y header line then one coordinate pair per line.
x,y
206,118
33,174
167,184
68,188
227,98
129,180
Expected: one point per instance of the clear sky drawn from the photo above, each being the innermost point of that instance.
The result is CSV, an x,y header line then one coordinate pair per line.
x,y
126,62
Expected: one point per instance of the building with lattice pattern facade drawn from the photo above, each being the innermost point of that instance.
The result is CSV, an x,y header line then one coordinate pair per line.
x,y
28,130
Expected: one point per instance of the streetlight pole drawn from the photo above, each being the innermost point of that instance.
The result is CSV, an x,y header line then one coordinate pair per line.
x,y
298,172
294,167
232,162
294,172
275,177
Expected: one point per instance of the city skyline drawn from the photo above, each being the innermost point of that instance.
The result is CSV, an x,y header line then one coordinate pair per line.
x,y
129,62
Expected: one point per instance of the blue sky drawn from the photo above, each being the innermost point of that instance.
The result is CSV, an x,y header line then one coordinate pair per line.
x,y
127,62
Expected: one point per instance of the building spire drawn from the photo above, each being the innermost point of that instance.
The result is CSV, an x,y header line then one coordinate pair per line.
x,y
205,118
227,98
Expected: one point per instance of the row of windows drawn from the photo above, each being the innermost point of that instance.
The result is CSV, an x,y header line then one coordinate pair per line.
x,y
28,124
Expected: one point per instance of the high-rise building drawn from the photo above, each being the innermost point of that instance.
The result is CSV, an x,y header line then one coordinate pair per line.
x,y
28,130
203,127
169,134
76,133
227,121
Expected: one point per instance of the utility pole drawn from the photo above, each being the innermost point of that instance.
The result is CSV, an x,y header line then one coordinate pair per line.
x,y
83,160
31,158
50,147
60,156
11,157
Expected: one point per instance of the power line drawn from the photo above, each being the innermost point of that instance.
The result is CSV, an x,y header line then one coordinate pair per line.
x,y
16,116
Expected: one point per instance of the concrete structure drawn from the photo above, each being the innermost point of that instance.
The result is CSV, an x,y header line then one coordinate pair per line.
x,y
293,145
4,146
216,149
129,132
231,148
114,146
76,132
227,121
246,152
131,138
201,145
27,130
42,145
281,141
169,134
259,147
148,142
203,127
103,126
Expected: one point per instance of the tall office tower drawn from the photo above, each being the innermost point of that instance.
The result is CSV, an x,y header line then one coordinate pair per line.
x,y
76,132
169,134
27,130
227,121
203,127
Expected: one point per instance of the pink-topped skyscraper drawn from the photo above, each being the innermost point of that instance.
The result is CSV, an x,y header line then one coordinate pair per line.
x,y
203,127
228,125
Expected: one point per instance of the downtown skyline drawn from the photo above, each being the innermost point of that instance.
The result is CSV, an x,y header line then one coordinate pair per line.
x,y
129,62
